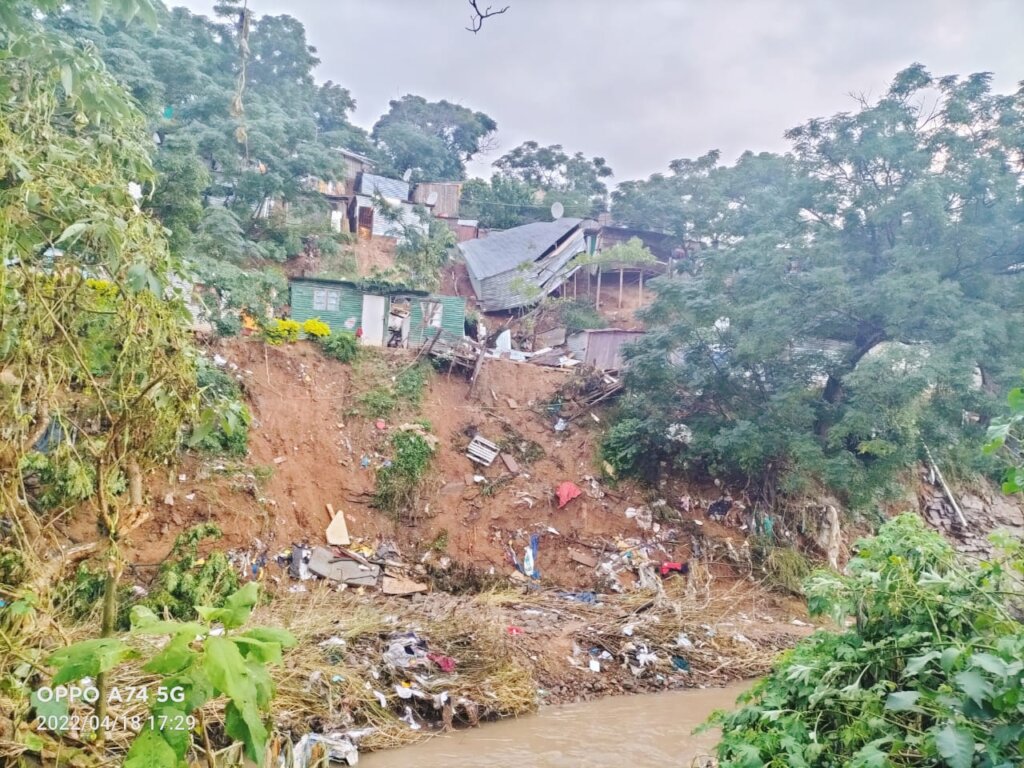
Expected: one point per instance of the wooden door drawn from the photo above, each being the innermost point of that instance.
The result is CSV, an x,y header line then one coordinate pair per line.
x,y
375,314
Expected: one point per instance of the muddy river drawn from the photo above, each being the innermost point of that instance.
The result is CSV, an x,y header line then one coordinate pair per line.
x,y
652,730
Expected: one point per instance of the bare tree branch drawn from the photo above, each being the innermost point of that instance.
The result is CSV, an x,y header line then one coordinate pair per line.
x,y
476,20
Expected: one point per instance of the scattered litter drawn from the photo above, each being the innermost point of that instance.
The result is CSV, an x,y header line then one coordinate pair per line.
x,y
683,641
628,630
364,462
190,496
566,492
409,720
381,424
219,361
561,425
169,499
595,665
479,478
514,630
405,651
445,663
299,568
798,623
482,451
670,567
312,748
589,598
511,403
680,663
280,459
529,566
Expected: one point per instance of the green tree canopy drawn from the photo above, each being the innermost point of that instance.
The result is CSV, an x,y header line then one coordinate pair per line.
x,y
840,301
433,139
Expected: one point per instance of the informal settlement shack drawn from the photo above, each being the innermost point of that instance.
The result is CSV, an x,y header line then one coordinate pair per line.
x,y
387,315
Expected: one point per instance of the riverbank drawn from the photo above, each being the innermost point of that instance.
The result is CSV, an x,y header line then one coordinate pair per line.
x,y
383,673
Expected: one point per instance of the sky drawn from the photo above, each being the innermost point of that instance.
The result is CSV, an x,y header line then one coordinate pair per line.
x,y
643,82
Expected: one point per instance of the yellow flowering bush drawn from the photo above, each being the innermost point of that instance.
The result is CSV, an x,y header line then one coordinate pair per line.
x,y
281,331
316,328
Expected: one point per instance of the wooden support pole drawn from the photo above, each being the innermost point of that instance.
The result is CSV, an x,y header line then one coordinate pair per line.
x,y
622,273
476,372
597,293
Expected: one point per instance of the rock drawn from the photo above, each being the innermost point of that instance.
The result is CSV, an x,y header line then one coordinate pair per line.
x,y
169,499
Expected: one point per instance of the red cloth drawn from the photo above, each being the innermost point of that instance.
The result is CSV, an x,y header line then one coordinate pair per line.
x,y
566,492
446,663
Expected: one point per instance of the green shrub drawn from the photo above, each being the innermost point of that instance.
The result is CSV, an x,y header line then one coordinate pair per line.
x,y
341,346
316,328
930,674
398,483
281,331
378,403
186,580
410,383
227,325
226,430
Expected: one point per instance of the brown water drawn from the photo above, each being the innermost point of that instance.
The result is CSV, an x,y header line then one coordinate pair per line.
x,y
651,731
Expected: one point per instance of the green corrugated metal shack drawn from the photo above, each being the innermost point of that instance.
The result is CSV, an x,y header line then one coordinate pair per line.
x,y
348,306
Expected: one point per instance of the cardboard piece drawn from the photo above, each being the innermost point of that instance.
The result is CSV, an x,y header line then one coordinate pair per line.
x,y
337,531
582,558
396,585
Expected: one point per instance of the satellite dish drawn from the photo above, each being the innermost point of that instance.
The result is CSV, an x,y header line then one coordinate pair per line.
x,y
407,175
432,197
557,211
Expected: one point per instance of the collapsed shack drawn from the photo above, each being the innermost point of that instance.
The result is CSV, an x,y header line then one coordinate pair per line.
x,y
587,388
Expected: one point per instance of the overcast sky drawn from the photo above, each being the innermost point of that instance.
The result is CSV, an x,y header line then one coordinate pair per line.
x,y
641,82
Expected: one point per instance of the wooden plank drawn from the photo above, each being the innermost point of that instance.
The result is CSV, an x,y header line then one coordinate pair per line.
x,y
511,464
476,372
582,558
396,585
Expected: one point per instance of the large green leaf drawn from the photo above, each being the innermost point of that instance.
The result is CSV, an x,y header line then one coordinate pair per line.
x,y
903,701
88,658
974,684
175,656
236,608
151,750
956,745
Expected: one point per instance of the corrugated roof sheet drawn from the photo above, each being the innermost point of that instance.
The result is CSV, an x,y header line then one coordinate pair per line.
x,y
502,251
369,183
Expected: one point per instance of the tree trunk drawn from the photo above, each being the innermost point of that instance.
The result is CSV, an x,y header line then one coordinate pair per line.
x,y
833,392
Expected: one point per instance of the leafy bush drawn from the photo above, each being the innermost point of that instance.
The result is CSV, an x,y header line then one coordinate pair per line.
x,y
931,673
410,383
407,389
378,403
316,328
627,447
225,426
398,483
580,315
281,331
186,580
341,346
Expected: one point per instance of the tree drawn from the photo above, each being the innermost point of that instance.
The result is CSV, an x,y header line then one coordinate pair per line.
x,y
434,140
501,203
840,299
928,675
99,374
573,180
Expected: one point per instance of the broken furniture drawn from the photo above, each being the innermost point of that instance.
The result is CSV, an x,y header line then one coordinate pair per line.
x,y
326,564
482,451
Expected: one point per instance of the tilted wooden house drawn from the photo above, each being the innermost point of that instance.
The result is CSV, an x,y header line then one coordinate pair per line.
x,y
519,266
